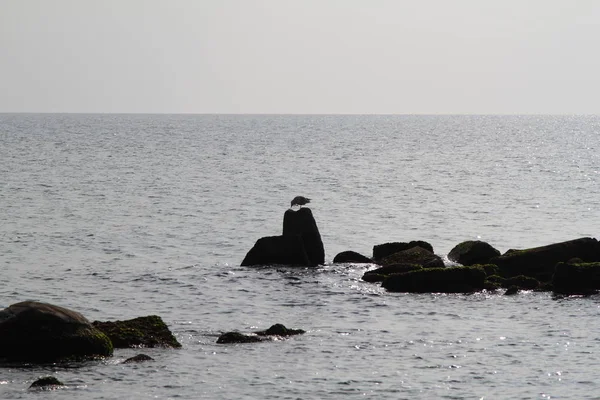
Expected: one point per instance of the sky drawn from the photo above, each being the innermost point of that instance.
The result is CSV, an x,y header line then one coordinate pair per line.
x,y
300,57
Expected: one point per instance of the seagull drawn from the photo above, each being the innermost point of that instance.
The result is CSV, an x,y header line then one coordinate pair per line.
x,y
300,201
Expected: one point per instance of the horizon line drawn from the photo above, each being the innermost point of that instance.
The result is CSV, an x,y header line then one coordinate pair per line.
x,y
291,114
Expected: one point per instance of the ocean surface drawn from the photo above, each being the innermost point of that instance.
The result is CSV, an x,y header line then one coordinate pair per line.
x,y
120,216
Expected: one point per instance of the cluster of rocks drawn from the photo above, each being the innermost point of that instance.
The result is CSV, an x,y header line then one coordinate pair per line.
x,y
571,267
566,268
36,332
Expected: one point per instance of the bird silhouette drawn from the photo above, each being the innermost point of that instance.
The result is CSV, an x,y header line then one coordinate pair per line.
x,y
299,201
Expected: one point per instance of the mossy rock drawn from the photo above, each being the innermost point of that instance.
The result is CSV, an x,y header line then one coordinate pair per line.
x,y
539,262
379,274
384,250
149,331
40,332
522,282
576,278
490,269
496,279
414,255
437,280
491,286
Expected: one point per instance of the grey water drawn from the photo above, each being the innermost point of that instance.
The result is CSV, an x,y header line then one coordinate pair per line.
x,y
119,216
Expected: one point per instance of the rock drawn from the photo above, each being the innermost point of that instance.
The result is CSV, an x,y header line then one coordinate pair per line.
x,y
300,243
379,274
46,382
437,280
512,291
539,262
576,278
384,250
149,331
351,257
522,282
138,358
236,337
303,223
280,330
414,255
277,250
473,252
31,331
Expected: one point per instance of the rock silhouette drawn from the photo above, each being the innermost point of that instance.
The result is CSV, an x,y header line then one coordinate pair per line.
x,y
300,244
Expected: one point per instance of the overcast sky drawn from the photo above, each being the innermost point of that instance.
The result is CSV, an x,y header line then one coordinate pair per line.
x,y
301,56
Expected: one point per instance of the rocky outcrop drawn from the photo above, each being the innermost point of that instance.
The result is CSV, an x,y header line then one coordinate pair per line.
x,y
539,262
384,250
473,252
379,274
149,331
576,278
31,331
351,257
414,255
437,280
300,243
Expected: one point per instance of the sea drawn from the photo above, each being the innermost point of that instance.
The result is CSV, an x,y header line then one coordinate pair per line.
x,y
118,216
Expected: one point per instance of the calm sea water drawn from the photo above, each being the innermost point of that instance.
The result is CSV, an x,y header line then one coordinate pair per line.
x,y
119,216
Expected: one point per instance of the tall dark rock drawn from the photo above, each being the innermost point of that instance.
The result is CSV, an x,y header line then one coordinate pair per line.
x,y
302,223
300,243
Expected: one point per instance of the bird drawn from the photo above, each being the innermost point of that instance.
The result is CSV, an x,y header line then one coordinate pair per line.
x,y
300,201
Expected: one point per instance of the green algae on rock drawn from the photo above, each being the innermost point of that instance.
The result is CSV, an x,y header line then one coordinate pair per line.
x,y
149,331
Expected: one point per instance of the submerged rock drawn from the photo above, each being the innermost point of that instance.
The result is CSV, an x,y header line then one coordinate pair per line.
x,y
576,278
46,382
149,331
280,330
138,358
414,255
437,280
384,250
473,252
351,257
539,262
512,290
31,331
